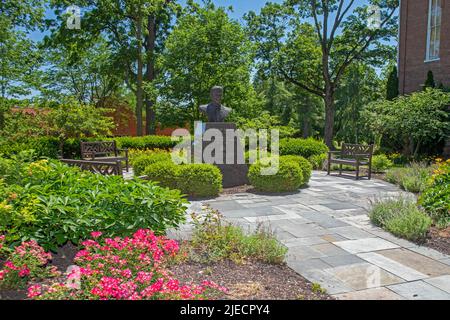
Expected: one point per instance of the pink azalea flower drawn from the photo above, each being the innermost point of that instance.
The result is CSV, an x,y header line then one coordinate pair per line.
x,y
96,234
34,291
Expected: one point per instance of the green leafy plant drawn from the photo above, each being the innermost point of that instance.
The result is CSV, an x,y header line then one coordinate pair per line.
x,y
380,163
53,203
402,218
318,161
436,197
289,176
302,147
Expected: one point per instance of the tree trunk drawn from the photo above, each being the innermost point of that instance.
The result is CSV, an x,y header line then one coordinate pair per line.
x,y
329,117
150,116
306,121
139,89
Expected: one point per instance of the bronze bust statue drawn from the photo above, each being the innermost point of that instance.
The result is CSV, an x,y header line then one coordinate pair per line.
x,y
215,111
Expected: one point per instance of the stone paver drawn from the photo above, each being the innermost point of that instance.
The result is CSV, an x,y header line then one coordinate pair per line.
x,y
365,245
380,293
331,240
363,276
419,290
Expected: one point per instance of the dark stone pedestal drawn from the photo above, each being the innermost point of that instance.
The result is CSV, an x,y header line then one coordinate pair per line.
x,y
234,173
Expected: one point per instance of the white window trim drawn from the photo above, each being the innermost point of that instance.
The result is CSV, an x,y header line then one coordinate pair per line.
x,y
427,58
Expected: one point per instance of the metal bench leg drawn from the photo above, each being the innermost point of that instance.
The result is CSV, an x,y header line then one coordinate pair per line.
x,y
340,169
357,171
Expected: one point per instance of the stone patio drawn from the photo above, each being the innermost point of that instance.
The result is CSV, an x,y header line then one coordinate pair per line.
x,y
331,240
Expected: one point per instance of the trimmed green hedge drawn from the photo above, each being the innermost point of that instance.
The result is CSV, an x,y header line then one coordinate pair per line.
x,y
48,147
198,180
302,147
146,142
289,176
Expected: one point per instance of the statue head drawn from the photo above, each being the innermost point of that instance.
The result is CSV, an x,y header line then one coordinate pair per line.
x,y
216,94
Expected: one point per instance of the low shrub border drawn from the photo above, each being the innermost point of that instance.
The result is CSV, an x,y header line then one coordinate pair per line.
x,y
302,147
48,147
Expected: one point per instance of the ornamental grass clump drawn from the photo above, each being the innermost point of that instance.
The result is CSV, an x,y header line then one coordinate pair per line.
x,y
130,268
402,218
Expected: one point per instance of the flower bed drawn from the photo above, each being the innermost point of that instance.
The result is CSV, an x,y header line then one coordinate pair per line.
x,y
130,268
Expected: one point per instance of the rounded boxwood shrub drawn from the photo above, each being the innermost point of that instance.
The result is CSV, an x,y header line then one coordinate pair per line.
x,y
288,178
302,147
163,172
140,162
199,180
304,164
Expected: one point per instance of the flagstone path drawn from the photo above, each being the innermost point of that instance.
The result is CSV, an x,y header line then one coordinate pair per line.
x,y
331,240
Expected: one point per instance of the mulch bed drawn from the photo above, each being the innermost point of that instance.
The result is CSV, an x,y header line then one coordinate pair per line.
x,y
251,281
439,239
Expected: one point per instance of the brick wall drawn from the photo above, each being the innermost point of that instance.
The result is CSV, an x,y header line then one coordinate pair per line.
x,y
412,46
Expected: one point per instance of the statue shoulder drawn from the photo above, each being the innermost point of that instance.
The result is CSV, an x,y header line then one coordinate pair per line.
x,y
203,107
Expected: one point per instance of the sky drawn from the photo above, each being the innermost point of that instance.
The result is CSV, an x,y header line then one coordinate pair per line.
x,y
240,7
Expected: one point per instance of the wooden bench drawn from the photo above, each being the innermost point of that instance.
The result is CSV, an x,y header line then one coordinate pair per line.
x,y
103,151
355,155
100,167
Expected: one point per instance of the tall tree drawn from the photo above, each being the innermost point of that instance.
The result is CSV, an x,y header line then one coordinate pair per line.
x,y
130,26
89,76
357,90
314,56
19,55
392,91
207,48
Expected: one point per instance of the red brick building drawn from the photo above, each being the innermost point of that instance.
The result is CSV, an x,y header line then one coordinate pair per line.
x,y
424,43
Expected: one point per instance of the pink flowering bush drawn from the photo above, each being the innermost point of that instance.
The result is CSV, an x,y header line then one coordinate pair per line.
x,y
130,268
27,261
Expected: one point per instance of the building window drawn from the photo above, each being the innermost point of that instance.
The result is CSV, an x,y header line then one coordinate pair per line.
x,y
434,30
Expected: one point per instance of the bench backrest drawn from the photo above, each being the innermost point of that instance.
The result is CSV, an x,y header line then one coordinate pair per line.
x,y
360,150
104,168
98,148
